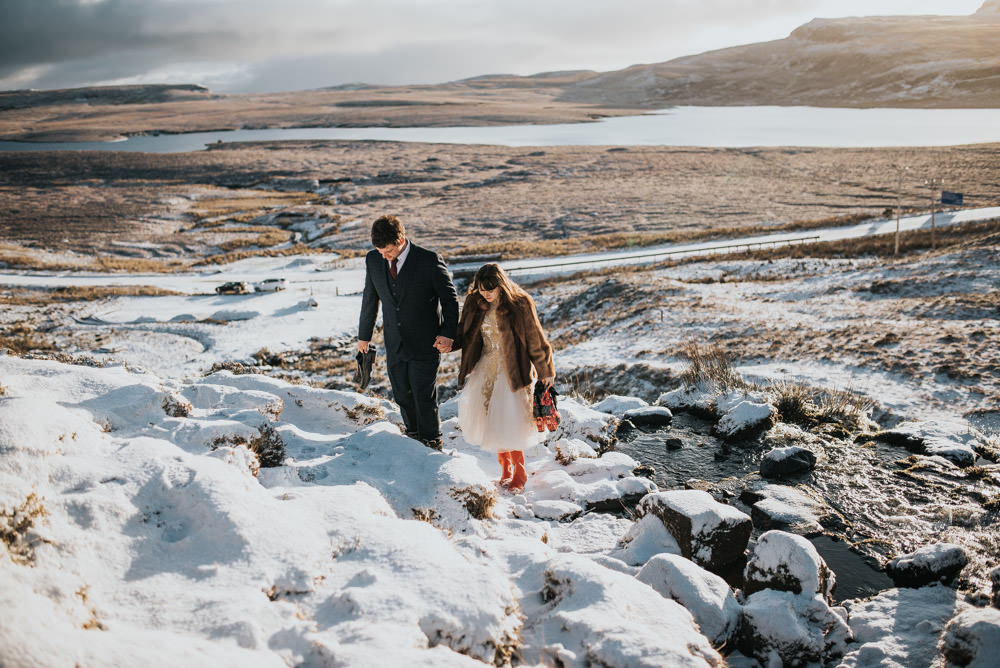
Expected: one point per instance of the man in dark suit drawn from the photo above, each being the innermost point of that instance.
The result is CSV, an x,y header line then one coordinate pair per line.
x,y
419,318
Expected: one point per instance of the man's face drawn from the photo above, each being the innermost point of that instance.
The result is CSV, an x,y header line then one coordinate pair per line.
x,y
392,251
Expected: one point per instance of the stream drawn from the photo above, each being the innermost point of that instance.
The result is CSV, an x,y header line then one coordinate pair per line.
x,y
882,500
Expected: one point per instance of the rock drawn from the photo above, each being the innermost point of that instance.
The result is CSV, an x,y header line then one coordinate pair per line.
x,y
785,562
973,638
787,461
649,416
646,538
619,405
953,440
941,562
704,594
784,629
673,443
745,419
689,398
995,579
786,508
710,533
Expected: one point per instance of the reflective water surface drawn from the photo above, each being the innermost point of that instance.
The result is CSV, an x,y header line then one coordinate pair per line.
x,y
886,501
677,126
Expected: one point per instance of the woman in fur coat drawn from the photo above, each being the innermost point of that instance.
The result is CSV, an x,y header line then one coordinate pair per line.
x,y
504,352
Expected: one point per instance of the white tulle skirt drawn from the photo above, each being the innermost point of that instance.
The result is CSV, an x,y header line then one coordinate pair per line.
x,y
493,416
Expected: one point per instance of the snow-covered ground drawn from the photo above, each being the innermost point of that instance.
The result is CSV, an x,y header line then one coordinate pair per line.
x,y
140,531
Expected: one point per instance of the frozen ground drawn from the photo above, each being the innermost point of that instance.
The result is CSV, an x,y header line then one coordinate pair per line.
x,y
152,541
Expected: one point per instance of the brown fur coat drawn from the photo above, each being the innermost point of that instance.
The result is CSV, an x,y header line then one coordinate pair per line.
x,y
523,341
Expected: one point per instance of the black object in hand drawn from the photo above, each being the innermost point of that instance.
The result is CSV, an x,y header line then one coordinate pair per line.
x,y
363,373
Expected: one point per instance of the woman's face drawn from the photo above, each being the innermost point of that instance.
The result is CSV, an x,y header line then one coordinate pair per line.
x,y
489,295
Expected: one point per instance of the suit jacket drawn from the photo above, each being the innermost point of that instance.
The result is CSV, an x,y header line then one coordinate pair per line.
x,y
522,340
423,305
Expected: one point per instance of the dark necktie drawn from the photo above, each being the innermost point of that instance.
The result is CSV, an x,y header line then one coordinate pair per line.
x,y
392,269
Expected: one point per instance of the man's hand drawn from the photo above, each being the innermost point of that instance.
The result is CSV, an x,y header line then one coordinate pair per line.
x,y
443,344
363,346
549,382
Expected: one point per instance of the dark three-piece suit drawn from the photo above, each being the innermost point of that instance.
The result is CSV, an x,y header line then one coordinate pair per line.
x,y
418,305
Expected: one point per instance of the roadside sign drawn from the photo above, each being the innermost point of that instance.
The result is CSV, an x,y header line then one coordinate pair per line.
x,y
948,197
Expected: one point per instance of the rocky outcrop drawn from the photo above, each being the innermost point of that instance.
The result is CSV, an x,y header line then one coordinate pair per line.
x,y
789,461
784,629
941,562
710,533
705,595
786,562
973,638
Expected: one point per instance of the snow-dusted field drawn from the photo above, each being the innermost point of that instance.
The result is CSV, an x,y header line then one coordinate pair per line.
x,y
141,530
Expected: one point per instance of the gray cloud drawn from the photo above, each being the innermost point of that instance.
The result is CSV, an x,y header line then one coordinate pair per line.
x,y
282,45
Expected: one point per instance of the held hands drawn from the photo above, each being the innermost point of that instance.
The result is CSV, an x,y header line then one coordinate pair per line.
x,y
443,344
363,346
549,381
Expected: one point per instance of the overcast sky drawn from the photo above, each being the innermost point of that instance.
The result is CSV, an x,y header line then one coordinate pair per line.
x,y
273,45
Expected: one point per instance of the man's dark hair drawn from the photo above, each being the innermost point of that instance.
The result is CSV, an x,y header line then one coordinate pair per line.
x,y
386,231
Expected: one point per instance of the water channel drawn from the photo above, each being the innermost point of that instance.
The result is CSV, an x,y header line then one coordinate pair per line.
x,y
678,126
882,500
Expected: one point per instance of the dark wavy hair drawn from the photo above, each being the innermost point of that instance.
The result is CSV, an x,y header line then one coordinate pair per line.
x,y
491,276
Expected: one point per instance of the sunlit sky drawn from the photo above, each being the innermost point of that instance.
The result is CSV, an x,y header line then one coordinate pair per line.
x,y
275,45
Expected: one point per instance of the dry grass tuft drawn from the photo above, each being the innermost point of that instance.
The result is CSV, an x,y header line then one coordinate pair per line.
x,y
428,515
177,406
711,366
478,501
15,529
20,339
365,414
809,407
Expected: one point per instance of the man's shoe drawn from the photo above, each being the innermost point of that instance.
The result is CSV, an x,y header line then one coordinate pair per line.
x,y
432,443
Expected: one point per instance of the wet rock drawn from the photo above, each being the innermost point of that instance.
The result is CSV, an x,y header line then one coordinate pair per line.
x,y
704,594
995,579
953,441
786,508
973,638
649,416
780,628
673,443
745,419
787,461
785,562
710,533
941,562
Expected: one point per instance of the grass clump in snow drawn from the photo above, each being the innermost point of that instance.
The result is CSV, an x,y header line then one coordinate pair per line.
x,y
235,368
365,414
177,406
711,366
15,528
478,501
20,339
810,407
3,390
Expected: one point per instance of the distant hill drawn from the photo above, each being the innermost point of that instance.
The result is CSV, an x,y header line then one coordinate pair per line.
x,y
899,61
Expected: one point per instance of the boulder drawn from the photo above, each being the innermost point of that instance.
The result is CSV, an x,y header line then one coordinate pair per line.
x,y
973,639
787,461
646,538
780,628
745,419
710,533
649,416
786,562
618,405
941,562
705,595
786,508
691,399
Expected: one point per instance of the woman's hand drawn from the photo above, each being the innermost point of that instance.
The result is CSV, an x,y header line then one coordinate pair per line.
x,y
549,382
